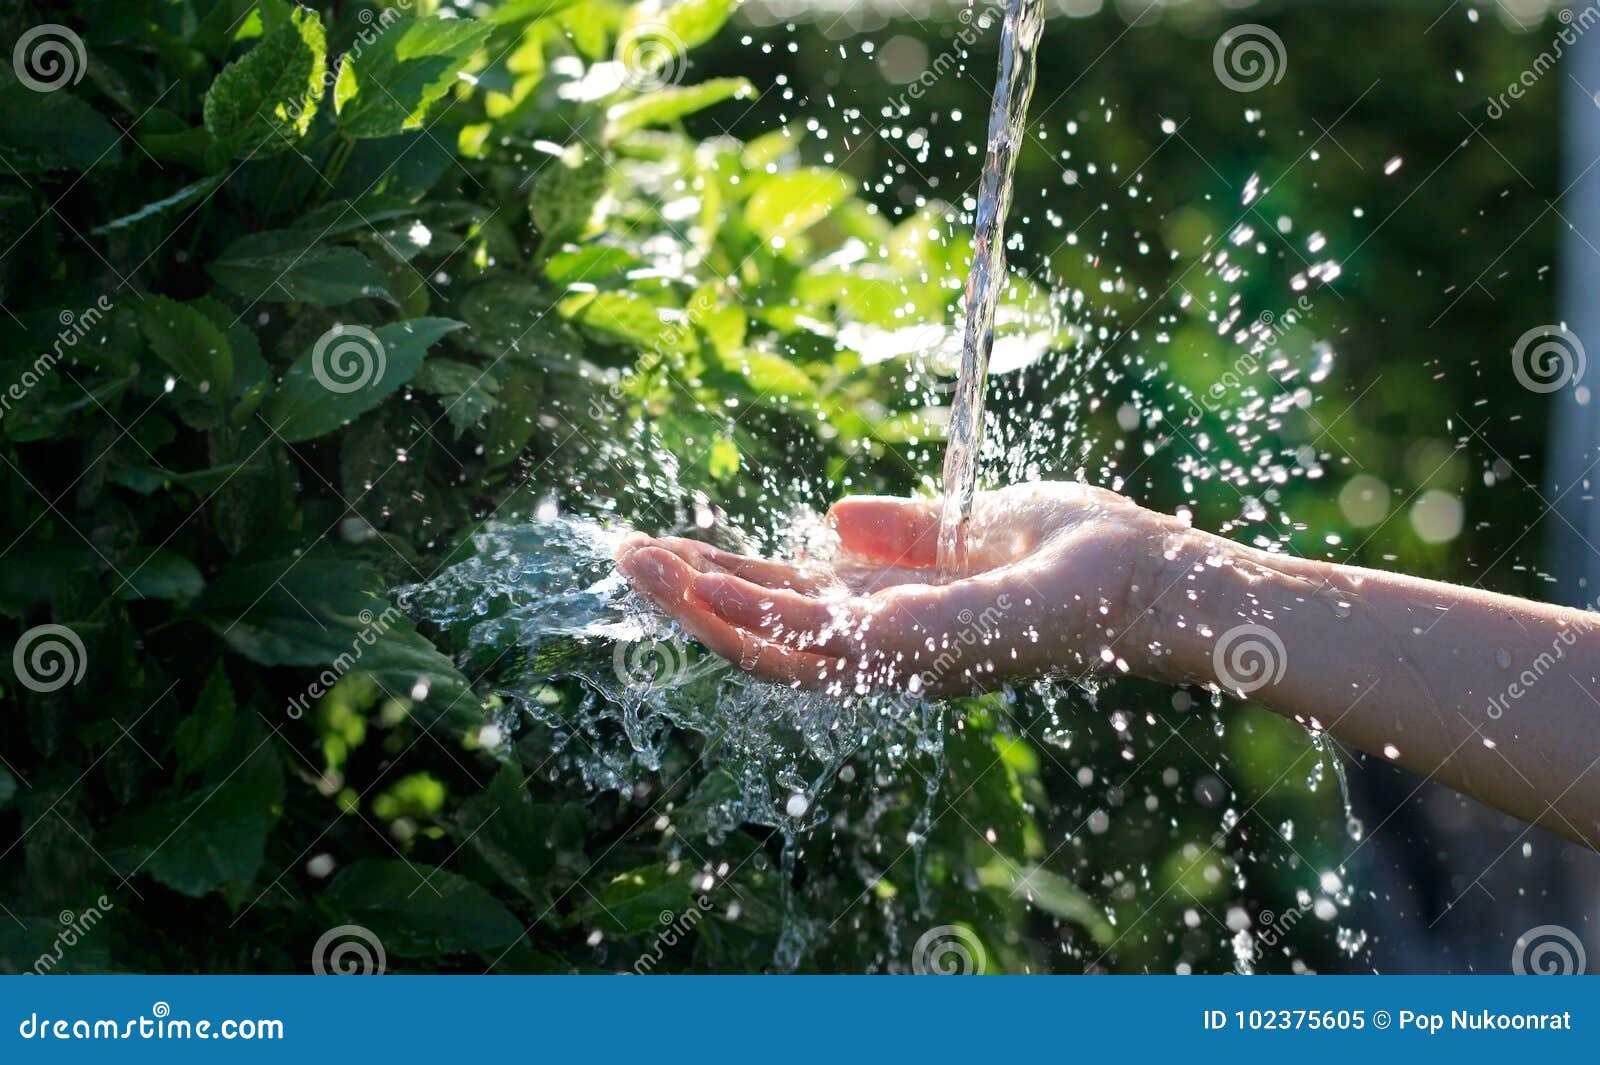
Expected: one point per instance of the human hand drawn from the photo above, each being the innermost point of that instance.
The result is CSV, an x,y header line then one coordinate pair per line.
x,y
1059,578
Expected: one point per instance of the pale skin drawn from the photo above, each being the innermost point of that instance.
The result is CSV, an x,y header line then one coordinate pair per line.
x,y
1494,696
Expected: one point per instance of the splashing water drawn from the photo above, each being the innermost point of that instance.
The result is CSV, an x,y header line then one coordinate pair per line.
x,y
603,691
1019,47
539,606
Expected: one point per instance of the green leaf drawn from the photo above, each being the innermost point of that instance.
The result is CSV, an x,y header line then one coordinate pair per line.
x,y
514,318
514,420
786,204
632,318
387,86
636,900
182,198
206,734
53,131
292,266
723,461
349,371
214,835
525,10
670,104
686,24
469,392
564,195
329,612
164,575
772,375
1052,893
186,340
590,264
525,842
419,910
263,102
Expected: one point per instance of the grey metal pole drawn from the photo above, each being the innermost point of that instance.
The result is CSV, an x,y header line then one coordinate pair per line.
x,y
1574,442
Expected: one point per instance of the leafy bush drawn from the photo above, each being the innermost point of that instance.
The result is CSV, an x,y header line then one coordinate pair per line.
x,y
301,297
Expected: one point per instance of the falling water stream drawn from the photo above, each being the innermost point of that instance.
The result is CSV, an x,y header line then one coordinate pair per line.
x,y
1019,47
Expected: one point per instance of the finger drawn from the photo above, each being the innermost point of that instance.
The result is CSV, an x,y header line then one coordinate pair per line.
x,y
630,542
664,578
755,655
830,626
657,574
898,625
888,530
771,573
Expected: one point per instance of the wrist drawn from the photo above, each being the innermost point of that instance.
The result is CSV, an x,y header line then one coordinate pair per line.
x,y
1188,591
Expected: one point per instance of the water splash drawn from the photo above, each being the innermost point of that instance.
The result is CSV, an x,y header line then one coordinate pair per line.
x,y
605,683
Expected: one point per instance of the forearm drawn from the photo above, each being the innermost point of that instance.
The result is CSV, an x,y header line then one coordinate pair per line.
x,y
1491,695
